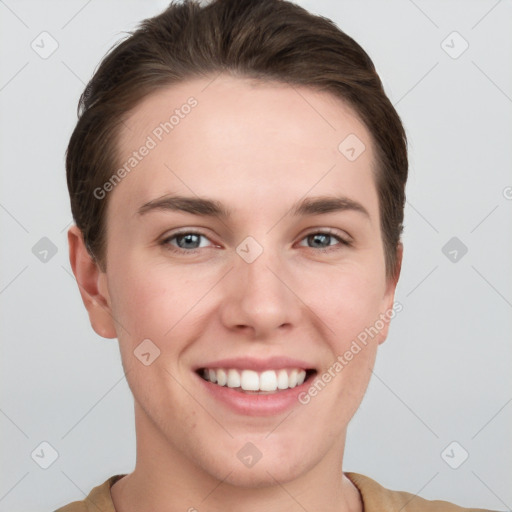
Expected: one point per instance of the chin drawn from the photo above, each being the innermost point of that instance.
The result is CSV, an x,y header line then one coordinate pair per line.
x,y
261,463
263,474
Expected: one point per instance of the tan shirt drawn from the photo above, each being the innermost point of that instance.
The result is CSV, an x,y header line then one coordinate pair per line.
x,y
375,499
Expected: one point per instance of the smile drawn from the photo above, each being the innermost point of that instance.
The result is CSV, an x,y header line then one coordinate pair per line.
x,y
268,381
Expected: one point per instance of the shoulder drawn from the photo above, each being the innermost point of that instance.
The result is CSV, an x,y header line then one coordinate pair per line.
x,y
98,500
379,499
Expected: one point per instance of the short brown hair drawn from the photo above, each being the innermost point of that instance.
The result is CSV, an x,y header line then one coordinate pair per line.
x,y
270,40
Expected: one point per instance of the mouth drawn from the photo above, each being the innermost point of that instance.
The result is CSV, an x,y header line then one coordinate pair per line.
x,y
248,381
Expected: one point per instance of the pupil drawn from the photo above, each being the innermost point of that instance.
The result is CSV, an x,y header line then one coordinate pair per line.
x,y
319,239
190,238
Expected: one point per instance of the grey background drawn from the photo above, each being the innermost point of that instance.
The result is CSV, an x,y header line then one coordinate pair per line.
x,y
443,375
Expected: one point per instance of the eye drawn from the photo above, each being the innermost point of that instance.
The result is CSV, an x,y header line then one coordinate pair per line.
x,y
186,242
324,240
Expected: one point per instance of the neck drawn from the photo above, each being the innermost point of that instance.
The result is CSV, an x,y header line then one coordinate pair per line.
x,y
166,479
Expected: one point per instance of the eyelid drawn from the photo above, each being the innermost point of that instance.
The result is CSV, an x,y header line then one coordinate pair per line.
x,y
343,236
344,239
184,231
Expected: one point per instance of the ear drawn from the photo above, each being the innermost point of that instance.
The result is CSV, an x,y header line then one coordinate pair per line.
x,y
389,295
92,283
398,268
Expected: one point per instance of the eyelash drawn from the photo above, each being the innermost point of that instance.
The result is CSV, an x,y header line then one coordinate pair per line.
x,y
343,242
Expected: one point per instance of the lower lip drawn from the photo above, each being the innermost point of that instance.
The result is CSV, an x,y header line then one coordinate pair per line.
x,y
252,404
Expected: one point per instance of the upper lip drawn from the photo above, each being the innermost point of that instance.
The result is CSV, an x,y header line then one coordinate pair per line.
x,y
258,365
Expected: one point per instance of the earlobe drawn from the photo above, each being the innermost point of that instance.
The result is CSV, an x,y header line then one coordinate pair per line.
x,y
91,284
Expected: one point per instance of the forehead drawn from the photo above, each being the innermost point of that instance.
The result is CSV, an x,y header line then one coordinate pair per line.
x,y
246,140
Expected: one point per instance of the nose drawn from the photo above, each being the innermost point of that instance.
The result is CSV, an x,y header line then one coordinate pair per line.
x,y
259,297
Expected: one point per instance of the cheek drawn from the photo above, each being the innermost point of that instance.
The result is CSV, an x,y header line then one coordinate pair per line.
x,y
158,301
349,300
146,300
149,303
351,307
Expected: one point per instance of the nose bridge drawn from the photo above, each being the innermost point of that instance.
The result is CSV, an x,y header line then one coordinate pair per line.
x,y
262,275
260,299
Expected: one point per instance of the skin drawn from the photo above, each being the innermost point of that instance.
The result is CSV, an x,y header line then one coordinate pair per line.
x,y
257,148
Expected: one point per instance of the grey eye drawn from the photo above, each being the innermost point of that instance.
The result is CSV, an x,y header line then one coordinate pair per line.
x,y
188,241
320,240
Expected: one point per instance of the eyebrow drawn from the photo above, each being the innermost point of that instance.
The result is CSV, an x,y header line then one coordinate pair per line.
x,y
212,208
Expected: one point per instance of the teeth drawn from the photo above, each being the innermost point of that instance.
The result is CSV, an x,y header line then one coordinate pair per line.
x,y
233,379
268,381
282,379
249,380
222,377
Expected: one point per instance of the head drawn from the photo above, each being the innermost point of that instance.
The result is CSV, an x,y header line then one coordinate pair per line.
x,y
262,135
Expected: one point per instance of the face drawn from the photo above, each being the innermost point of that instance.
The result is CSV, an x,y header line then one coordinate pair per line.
x,y
245,246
